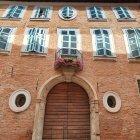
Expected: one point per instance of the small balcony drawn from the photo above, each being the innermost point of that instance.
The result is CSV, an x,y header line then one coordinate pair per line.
x,y
68,58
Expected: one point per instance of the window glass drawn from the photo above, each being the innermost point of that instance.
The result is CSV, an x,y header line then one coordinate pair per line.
x,y
5,34
69,42
42,12
102,42
67,13
123,12
36,40
15,11
133,36
96,13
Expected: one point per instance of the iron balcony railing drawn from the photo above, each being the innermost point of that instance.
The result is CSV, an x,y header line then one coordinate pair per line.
x,y
67,57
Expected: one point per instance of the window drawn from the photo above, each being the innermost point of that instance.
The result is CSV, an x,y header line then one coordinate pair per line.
x,y
69,41
42,13
67,13
35,40
14,12
95,13
132,42
123,13
103,42
6,38
138,81
111,101
19,100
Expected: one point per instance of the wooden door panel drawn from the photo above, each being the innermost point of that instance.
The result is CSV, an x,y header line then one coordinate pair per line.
x,y
67,114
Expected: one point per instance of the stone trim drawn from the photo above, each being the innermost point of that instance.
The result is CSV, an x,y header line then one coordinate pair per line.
x,y
45,89
117,100
13,97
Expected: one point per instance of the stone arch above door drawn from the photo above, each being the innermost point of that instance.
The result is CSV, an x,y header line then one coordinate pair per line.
x,y
41,100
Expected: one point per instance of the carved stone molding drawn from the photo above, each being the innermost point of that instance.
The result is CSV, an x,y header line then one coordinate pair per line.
x,y
67,76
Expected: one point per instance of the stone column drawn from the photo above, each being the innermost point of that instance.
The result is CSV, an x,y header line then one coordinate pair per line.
x,y
39,120
94,119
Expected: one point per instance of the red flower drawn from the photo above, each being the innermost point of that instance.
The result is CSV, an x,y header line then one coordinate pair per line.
x,y
68,62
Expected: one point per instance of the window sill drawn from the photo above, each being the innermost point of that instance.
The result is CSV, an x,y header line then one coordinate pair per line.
x,y
40,19
105,58
134,60
5,18
97,20
4,52
125,20
33,54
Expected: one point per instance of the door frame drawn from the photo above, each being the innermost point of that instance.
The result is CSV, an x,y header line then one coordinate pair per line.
x,y
41,103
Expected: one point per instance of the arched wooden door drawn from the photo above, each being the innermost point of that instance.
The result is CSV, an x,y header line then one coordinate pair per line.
x,y
67,114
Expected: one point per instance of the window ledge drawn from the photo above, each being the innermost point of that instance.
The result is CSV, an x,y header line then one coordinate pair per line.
x,y
5,18
33,54
40,19
106,58
4,52
98,20
134,60
123,19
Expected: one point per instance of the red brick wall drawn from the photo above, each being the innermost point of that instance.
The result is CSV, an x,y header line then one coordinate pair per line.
x,y
119,76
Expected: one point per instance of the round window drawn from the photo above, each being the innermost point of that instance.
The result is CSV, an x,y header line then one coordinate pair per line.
x,y
19,100
112,101
67,13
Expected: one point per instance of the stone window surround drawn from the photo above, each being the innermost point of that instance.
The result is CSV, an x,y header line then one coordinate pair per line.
x,y
41,101
13,97
112,44
117,99
74,16
123,19
21,14
94,19
34,11
7,51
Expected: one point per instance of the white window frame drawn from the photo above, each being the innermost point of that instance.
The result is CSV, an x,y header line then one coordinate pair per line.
x,y
96,19
21,14
111,39
124,19
74,16
77,31
25,42
34,12
10,40
127,44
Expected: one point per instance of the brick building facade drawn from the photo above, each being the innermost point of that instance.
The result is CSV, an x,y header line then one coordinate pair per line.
x,y
109,80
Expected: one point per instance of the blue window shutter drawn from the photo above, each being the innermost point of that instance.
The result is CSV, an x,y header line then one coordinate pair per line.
x,y
37,12
47,12
123,12
99,42
107,43
11,11
99,13
103,42
4,37
95,12
134,42
18,11
126,11
36,40
31,36
15,12
41,46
